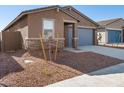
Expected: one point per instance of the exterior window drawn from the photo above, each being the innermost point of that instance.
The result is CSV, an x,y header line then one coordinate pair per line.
x,y
48,29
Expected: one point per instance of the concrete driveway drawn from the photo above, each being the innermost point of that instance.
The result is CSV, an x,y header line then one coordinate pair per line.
x,y
107,77
111,52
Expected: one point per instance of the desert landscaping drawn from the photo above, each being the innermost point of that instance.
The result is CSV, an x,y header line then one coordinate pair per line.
x,y
29,69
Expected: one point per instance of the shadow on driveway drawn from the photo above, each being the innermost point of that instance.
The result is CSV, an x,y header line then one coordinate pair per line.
x,y
116,69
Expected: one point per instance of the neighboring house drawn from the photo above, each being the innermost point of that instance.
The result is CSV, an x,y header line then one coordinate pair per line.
x,y
65,23
111,31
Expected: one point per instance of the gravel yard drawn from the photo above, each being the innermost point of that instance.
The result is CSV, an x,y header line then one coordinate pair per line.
x,y
28,69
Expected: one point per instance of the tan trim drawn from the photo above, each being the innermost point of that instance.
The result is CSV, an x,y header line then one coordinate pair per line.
x,y
69,21
40,38
75,38
87,27
40,10
60,38
113,29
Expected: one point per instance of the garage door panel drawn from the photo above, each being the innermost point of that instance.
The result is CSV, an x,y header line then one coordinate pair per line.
x,y
114,36
85,37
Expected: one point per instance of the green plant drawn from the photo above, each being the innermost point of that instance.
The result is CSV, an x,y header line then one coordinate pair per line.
x,y
46,72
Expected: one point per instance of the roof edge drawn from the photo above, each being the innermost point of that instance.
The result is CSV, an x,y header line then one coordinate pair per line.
x,y
23,13
114,20
83,15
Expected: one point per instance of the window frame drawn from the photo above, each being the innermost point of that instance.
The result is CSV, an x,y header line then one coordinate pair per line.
x,y
53,30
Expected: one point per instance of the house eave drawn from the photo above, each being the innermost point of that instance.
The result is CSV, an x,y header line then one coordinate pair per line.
x,y
118,29
66,7
35,11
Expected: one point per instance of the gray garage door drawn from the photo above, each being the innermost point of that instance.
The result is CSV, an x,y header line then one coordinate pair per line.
x,y
85,37
114,36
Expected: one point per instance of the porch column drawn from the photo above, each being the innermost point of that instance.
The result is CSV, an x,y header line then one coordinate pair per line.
x,y
65,35
95,41
106,36
75,39
123,35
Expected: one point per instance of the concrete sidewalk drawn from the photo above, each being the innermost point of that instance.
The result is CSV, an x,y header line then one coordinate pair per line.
x,y
108,77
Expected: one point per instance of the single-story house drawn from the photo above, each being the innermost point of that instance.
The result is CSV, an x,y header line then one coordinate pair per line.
x,y
66,23
111,31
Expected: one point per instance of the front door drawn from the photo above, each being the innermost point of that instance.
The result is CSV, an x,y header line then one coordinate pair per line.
x,y
69,40
68,34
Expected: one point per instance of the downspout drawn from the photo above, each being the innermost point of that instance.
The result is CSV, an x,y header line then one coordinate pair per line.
x,y
123,34
75,39
106,36
95,41
2,41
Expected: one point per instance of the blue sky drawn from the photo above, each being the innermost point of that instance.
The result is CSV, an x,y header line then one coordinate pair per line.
x,y
98,12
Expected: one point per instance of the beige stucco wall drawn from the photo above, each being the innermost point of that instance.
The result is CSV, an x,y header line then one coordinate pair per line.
x,y
24,36
35,22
